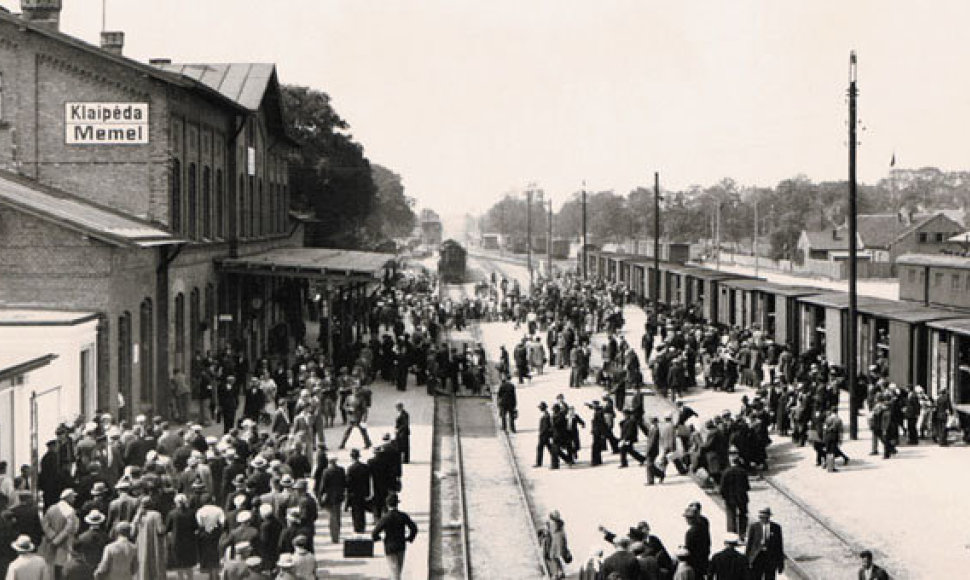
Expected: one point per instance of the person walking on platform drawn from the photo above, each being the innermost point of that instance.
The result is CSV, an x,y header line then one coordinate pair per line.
x,y
355,405
507,403
545,438
629,429
734,489
765,547
358,491
402,432
399,530
333,488
729,564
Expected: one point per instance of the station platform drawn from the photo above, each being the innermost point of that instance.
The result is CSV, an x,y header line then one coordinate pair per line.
x,y
415,479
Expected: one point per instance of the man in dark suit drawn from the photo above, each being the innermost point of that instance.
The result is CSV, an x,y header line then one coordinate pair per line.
x,y
50,480
765,547
399,530
332,490
623,562
358,491
507,403
628,436
228,402
729,564
402,432
870,571
734,489
697,539
545,438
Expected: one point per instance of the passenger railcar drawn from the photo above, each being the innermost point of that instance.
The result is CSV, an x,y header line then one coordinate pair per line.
x,y
452,262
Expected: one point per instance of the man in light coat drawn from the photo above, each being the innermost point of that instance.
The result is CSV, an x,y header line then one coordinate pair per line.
x,y
28,565
120,560
60,524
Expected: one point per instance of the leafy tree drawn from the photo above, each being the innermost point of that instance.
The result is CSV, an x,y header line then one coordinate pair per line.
x,y
393,215
328,173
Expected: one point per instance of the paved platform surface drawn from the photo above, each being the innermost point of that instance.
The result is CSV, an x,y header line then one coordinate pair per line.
x,y
415,494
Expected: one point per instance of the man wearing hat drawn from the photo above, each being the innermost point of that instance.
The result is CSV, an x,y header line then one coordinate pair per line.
x,y
734,489
120,559
50,479
294,528
697,539
622,562
244,532
123,507
60,524
765,547
28,565
507,403
304,563
729,564
332,488
399,530
286,567
91,543
358,490
545,438
235,567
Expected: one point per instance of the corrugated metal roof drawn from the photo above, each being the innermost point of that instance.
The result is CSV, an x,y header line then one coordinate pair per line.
x,y
76,213
960,325
243,82
837,300
314,260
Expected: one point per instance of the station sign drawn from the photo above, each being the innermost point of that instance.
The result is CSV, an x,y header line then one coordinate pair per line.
x,y
106,123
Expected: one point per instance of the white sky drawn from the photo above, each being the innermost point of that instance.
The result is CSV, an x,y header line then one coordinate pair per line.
x,y
468,100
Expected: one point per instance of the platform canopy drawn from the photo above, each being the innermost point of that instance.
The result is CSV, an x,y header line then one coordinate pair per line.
x,y
327,264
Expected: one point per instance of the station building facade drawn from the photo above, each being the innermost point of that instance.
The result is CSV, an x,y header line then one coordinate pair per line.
x,y
124,185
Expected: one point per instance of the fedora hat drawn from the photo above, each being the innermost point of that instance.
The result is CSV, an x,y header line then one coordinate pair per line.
x,y
94,518
23,544
99,488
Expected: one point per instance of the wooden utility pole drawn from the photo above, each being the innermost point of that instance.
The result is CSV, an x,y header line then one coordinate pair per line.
x,y
754,240
528,229
853,315
583,249
656,236
549,240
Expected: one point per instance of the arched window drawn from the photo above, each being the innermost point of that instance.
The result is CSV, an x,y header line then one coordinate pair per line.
x,y
206,202
175,203
220,206
180,331
193,225
146,350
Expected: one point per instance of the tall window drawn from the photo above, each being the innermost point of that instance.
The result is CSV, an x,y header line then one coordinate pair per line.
x,y
180,331
206,202
193,225
241,208
195,314
146,350
175,207
261,217
220,206
124,358
210,305
252,209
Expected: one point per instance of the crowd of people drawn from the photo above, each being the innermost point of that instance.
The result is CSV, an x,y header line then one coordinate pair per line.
x,y
119,500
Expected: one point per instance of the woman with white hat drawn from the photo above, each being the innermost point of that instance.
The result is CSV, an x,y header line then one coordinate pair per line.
x,y
28,565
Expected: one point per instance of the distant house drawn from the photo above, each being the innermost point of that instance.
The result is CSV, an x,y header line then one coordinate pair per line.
x,y
887,236
828,245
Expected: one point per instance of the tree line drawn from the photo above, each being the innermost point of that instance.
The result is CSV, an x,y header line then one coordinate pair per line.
x,y
691,214
355,204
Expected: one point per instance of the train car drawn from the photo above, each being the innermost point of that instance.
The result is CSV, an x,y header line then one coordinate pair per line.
x,y
491,241
452,262
560,248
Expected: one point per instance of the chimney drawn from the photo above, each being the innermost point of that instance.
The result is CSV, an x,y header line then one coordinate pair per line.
x,y
45,13
113,42
835,233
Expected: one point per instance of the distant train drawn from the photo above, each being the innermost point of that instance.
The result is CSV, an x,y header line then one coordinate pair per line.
x,y
451,262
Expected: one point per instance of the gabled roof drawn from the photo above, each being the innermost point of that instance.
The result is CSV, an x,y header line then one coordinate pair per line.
x,y
151,71
74,213
879,230
245,83
927,219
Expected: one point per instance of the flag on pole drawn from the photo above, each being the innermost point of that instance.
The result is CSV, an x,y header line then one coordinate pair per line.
x,y
892,162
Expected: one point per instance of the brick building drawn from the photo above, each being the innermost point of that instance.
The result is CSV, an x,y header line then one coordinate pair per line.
x,y
123,187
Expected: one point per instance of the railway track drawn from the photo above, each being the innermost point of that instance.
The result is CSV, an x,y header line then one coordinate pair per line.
x,y
482,523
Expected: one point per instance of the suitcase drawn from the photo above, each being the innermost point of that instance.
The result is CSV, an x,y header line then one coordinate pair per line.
x,y
359,547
